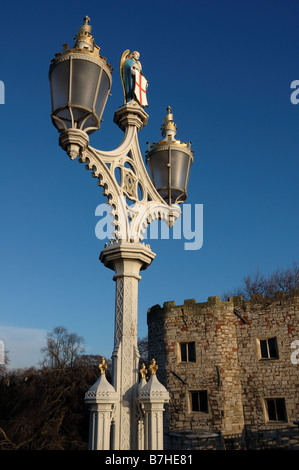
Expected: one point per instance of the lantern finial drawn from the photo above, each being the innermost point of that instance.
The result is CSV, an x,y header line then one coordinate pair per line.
x,y
83,38
168,127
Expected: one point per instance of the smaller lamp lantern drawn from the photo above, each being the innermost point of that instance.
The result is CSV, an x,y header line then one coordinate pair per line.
x,y
80,81
169,161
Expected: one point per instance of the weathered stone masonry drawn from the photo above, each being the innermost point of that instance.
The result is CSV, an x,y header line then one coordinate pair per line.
x,y
229,366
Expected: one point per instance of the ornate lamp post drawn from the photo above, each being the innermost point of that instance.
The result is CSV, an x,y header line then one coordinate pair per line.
x,y
80,81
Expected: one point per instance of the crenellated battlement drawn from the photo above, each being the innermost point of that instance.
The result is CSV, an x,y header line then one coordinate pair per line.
x,y
256,301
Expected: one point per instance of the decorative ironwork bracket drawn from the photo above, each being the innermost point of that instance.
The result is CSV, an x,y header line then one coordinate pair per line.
x,y
131,194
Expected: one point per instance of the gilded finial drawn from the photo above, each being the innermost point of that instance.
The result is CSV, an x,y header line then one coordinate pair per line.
x,y
168,127
103,366
83,38
143,371
153,367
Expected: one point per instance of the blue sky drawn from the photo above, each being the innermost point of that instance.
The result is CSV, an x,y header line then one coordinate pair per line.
x,y
225,68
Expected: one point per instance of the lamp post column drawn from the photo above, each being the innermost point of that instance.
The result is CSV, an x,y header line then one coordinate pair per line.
x,y
126,259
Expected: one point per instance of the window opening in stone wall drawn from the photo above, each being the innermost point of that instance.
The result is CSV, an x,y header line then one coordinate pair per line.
x,y
269,348
276,409
188,352
199,401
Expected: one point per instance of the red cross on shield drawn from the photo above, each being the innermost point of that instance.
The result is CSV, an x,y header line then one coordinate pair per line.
x,y
140,89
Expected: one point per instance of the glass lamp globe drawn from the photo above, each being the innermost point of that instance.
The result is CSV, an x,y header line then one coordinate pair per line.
x,y
169,161
80,81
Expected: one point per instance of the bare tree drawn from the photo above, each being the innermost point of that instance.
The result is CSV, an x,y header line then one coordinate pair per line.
x,y
283,280
63,348
286,280
143,350
254,284
44,409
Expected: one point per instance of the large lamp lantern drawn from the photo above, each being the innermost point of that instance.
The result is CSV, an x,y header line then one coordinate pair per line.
x,y
80,81
169,161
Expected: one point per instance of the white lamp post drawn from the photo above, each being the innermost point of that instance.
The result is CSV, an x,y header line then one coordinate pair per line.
x,y
80,81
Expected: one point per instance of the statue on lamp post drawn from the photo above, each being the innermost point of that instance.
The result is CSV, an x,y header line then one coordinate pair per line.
x,y
133,81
